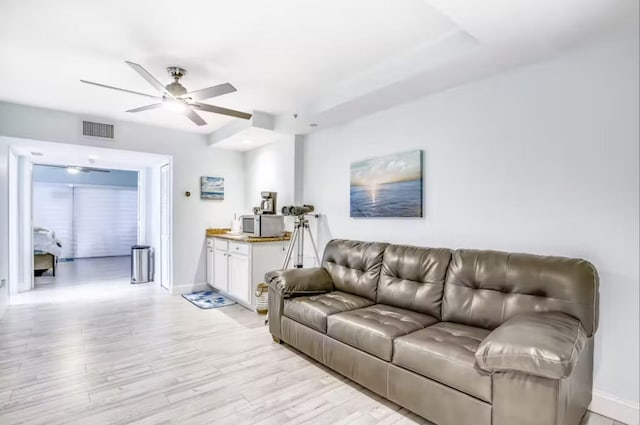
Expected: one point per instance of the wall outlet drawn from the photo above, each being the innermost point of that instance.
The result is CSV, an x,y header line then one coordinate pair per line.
x,y
3,282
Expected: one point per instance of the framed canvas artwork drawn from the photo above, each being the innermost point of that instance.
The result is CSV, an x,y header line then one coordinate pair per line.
x,y
388,186
212,188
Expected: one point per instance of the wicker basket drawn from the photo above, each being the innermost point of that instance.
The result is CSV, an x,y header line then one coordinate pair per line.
x,y
262,298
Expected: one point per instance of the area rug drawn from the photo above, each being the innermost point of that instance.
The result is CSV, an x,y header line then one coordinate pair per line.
x,y
208,299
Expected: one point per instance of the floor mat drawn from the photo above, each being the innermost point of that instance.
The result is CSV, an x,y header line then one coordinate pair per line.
x,y
208,299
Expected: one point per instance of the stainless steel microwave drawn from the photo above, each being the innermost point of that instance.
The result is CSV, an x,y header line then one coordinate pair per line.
x,y
262,226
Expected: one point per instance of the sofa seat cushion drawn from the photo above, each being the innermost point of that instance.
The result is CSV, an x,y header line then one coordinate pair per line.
x,y
313,311
373,329
445,352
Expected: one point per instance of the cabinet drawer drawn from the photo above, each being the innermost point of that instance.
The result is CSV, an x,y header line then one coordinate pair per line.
x,y
221,245
239,248
209,243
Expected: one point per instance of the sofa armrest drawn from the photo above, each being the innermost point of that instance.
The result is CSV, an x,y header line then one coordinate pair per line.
x,y
299,281
542,344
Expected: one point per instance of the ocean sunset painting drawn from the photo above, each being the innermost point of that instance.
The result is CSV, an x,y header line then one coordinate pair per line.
x,y
388,186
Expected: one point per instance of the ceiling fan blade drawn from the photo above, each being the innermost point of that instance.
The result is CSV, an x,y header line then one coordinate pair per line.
x,y
91,170
150,78
220,110
193,116
79,168
119,89
210,92
146,108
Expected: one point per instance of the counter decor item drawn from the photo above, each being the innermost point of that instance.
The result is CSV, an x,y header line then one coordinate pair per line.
x,y
212,188
235,224
268,202
388,186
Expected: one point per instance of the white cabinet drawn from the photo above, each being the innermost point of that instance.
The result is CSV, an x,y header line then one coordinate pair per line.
x,y
239,280
209,266
235,268
209,262
220,266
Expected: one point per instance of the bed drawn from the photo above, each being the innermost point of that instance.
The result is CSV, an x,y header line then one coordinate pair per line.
x,y
46,249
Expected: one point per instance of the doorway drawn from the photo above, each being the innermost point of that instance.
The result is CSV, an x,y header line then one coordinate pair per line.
x,y
106,219
85,221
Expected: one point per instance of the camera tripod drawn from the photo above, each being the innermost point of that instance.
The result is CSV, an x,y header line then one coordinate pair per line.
x,y
297,240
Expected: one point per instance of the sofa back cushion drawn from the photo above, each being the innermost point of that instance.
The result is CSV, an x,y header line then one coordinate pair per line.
x,y
413,278
354,266
485,288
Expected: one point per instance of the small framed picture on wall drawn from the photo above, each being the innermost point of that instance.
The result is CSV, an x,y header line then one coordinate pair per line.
x,y
212,188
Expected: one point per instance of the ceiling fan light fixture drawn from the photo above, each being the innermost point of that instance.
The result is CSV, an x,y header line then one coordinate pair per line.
x,y
174,105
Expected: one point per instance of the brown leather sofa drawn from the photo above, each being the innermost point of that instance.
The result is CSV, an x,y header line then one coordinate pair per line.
x,y
461,337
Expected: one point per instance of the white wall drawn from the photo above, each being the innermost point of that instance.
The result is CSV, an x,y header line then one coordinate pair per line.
x,y
543,159
192,158
270,168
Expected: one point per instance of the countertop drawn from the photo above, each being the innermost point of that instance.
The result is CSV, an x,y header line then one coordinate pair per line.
x,y
225,234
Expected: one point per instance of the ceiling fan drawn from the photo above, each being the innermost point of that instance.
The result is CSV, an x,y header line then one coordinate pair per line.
x,y
72,169
175,96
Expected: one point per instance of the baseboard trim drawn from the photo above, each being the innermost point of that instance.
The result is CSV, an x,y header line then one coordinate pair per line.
x,y
613,407
188,287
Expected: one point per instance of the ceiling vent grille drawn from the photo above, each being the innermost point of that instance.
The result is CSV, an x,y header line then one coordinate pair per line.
x,y
97,129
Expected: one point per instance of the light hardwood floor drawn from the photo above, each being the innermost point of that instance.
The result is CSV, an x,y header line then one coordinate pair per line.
x,y
108,352
85,270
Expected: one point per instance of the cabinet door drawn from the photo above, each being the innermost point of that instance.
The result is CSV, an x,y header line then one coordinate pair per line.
x,y
239,281
220,267
210,266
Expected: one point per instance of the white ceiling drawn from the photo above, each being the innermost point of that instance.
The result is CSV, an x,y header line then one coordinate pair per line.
x,y
284,56
250,139
279,54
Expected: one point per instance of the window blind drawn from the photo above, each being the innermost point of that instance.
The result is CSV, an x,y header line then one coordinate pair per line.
x,y
53,210
104,221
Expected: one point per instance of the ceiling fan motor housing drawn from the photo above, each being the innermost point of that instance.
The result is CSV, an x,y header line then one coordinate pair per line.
x,y
176,88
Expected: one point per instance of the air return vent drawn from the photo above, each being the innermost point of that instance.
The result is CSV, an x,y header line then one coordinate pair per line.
x,y
97,129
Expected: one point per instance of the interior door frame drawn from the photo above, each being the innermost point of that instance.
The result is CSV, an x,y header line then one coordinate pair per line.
x,y
15,256
23,221
166,248
142,206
